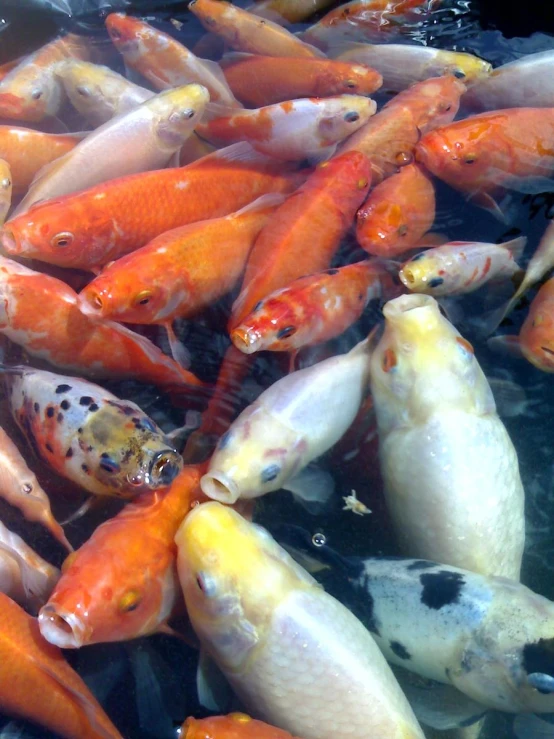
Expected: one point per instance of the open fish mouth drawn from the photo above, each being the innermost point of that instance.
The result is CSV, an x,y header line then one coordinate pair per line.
x,y
59,627
218,486
8,242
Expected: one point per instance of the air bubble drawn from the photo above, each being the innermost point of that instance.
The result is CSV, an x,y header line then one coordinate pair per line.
x,y
319,540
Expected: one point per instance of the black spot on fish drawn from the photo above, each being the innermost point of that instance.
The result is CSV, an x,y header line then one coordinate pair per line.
x,y
224,440
435,282
36,407
332,272
59,417
85,400
84,467
65,405
361,296
284,333
270,473
48,448
369,617
421,564
441,588
93,407
80,430
69,453
62,389
50,412
539,657
400,650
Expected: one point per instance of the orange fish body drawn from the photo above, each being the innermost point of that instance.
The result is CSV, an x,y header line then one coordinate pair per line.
x,y
536,338
181,271
42,314
397,213
262,80
91,228
7,67
312,309
291,11
318,213
483,154
31,90
233,726
27,151
39,685
245,31
122,583
432,102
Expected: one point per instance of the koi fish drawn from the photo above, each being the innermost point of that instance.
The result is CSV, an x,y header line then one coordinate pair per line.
x,y
461,267
294,130
162,60
27,151
8,66
290,11
311,309
402,65
88,229
99,93
245,31
484,155
276,605
122,583
20,487
30,666
233,726
24,576
32,91
262,80
397,213
523,83
177,273
452,482
143,139
5,190
389,138
42,314
294,421
320,212
106,445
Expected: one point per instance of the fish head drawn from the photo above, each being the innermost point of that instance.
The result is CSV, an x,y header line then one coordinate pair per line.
x,y
537,333
94,90
465,67
233,575
438,101
177,112
28,96
422,364
125,593
341,116
346,78
348,177
272,324
424,273
129,35
462,154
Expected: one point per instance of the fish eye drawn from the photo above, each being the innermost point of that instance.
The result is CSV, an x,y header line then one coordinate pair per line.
x,y
447,107
538,319
108,464
6,182
459,74
403,157
402,229
350,84
62,239
36,94
362,184
83,91
143,298
188,113
284,333
470,158
389,360
130,601
270,472
206,584
351,116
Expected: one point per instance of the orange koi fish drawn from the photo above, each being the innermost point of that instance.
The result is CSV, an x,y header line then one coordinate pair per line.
x,y
162,60
294,130
24,576
27,151
42,314
397,213
233,726
487,154
122,583
245,31
39,685
32,90
7,67
180,272
318,213
91,228
20,487
312,309
262,80
106,445
390,137
5,190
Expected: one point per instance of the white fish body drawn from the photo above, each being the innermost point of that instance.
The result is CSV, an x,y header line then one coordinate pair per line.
x,y
5,190
451,472
292,652
291,423
461,267
141,140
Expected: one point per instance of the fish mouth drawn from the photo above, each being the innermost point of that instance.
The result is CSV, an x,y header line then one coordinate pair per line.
x,y
407,303
8,242
246,340
91,304
62,628
217,486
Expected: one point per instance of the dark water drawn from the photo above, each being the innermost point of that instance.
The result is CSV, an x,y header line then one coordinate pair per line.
x,y
148,686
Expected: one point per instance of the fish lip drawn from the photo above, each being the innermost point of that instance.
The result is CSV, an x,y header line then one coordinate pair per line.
x,y
217,486
9,242
84,305
54,623
407,303
246,340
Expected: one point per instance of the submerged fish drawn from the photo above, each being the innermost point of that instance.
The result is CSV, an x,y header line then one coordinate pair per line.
x,y
233,726
283,643
106,445
451,473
